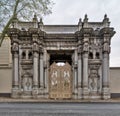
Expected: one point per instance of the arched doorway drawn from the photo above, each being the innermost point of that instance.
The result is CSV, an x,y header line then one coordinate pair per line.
x,y
60,81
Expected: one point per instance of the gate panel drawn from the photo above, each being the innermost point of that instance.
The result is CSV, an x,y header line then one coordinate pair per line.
x,y
60,81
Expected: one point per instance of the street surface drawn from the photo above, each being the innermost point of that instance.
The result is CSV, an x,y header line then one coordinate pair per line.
x,y
59,109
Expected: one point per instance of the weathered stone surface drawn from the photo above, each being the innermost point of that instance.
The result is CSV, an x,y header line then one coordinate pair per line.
x,y
86,47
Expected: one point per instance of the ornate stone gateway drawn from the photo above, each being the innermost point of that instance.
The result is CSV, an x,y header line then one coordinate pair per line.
x,y
85,46
60,81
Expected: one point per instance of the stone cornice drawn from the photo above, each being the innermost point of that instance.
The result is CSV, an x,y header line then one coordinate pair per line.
x,y
107,31
84,32
13,31
36,31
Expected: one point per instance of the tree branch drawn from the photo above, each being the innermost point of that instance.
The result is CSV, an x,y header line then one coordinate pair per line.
x,y
9,22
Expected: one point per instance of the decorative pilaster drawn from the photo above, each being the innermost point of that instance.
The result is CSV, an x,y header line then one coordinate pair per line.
x,y
41,61
79,68
14,36
106,91
106,51
41,71
15,84
46,65
106,34
86,36
79,76
85,75
35,64
75,91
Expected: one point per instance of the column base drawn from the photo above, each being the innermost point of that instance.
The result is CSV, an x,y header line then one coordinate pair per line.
x,y
26,94
35,92
85,93
46,94
75,94
106,93
79,93
15,93
41,93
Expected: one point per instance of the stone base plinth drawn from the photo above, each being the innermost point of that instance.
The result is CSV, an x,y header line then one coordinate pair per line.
x,y
94,95
35,92
75,94
41,93
80,93
106,93
15,93
85,93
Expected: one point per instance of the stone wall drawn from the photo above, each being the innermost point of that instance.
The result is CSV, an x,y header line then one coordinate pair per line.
x,y
6,80
115,81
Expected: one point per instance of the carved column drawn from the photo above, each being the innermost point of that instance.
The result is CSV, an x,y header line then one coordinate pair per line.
x,y
79,76
106,34
79,69
85,75
15,84
106,91
75,92
42,79
85,65
35,65
35,69
46,73
41,71
106,51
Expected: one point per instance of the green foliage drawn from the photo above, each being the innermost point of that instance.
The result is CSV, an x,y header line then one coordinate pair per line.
x,y
24,9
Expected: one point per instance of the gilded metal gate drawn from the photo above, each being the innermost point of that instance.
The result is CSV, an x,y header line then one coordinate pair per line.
x,y
60,81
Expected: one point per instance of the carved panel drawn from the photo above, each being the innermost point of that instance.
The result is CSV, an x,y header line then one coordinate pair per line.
x,y
27,83
94,77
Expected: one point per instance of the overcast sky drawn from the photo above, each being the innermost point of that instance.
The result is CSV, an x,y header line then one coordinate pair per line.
x,y
69,12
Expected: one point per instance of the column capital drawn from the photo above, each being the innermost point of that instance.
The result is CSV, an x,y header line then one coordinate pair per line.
x,y
35,55
16,55
35,38
35,47
105,55
106,48
85,48
15,48
85,55
107,32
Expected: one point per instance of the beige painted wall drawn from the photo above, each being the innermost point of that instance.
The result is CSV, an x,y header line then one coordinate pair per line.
x,y
5,52
115,80
5,79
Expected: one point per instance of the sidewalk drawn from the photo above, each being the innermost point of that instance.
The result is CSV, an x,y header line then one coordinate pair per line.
x,y
11,100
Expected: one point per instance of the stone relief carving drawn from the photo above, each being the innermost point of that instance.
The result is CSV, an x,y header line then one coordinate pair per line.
x,y
94,78
27,83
